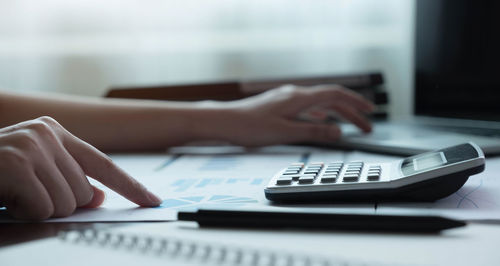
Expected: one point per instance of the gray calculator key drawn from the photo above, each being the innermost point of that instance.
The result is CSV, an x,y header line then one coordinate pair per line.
x,y
311,173
350,178
306,180
332,172
373,177
284,181
351,175
328,179
352,171
290,172
293,177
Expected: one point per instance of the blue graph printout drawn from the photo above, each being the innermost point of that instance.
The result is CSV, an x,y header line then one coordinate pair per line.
x,y
217,180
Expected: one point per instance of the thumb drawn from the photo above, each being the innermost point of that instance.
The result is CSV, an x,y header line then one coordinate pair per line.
x,y
302,131
97,199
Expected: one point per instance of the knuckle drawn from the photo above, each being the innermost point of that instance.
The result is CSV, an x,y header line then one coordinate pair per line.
x,y
13,156
48,120
27,140
293,91
41,127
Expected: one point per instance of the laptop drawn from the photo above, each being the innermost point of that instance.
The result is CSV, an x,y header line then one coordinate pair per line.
x,y
457,83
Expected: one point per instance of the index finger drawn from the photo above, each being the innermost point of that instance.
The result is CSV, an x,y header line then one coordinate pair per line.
x,y
100,167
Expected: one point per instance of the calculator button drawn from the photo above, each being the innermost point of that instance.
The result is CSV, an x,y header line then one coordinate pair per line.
x,y
306,179
332,172
293,177
297,164
373,177
284,181
290,172
352,171
311,172
351,175
294,168
328,179
350,178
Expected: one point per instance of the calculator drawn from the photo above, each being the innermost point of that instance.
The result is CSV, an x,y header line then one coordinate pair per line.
x,y
425,177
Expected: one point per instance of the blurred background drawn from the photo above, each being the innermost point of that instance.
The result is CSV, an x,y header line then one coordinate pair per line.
x,y
84,47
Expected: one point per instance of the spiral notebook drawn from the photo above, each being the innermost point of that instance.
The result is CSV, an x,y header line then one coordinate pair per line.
x,y
178,251
169,244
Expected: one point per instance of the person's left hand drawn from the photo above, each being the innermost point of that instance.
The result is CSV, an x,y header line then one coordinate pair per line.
x,y
271,117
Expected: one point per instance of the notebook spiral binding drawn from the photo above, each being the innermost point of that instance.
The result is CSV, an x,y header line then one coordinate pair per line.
x,y
194,251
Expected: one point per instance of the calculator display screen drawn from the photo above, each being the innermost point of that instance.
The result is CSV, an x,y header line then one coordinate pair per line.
x,y
422,163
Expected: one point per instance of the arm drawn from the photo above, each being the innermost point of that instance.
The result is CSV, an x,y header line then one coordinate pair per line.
x,y
44,165
109,124
268,118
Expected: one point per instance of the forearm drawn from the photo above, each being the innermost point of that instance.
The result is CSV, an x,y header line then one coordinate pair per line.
x,y
112,124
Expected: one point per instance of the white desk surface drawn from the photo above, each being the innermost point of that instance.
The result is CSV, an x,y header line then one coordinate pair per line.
x,y
475,244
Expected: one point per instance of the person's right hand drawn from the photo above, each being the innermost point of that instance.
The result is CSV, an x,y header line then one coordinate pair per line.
x,y
43,170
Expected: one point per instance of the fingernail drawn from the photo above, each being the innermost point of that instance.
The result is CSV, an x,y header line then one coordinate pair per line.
x,y
153,198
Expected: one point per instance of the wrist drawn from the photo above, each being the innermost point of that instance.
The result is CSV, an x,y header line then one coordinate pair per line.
x,y
212,121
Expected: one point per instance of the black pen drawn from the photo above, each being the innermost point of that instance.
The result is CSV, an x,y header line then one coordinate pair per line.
x,y
319,221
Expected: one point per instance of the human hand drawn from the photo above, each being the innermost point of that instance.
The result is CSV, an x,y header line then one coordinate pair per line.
x,y
43,170
271,117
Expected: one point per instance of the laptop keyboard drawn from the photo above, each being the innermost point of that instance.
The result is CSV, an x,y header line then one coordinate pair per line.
x,y
487,132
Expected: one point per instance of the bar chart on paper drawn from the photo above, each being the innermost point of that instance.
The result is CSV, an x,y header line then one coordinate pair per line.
x,y
194,181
